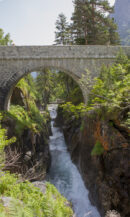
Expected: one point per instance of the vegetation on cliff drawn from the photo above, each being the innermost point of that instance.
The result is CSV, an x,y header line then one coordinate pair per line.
x,y
18,197
108,98
98,133
28,115
4,141
25,200
30,127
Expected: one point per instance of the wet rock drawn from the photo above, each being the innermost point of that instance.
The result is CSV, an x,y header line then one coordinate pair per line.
x,y
112,213
106,176
40,185
30,152
6,201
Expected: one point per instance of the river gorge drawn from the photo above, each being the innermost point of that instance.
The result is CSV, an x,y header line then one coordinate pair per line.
x,y
65,175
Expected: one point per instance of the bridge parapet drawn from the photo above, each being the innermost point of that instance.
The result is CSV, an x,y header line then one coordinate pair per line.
x,y
62,52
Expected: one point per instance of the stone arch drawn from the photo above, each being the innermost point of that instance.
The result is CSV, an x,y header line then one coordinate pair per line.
x,y
16,61
20,74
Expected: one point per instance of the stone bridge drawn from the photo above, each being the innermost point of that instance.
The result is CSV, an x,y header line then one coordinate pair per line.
x,y
17,61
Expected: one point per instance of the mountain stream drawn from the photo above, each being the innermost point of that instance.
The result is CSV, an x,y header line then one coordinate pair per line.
x,y
65,175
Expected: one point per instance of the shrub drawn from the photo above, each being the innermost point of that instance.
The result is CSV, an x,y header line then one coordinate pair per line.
x,y
4,141
98,149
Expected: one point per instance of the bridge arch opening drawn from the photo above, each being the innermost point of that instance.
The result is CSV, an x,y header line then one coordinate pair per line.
x,y
39,70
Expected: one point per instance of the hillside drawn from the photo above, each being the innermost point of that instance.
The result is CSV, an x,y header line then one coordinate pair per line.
x,y
122,18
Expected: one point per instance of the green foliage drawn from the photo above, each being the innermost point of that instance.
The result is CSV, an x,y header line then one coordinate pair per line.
x,y
28,116
62,34
70,110
98,149
28,200
32,119
45,86
127,121
23,120
4,141
86,82
75,95
16,208
27,86
67,89
82,126
5,39
111,88
109,91
91,24
53,85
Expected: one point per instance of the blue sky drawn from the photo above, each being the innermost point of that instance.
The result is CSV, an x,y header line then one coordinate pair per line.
x,y
32,22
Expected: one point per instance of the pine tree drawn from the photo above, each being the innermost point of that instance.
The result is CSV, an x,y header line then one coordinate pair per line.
x,y
62,34
91,23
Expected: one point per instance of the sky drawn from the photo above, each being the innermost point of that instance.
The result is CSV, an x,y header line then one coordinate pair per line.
x,y
32,22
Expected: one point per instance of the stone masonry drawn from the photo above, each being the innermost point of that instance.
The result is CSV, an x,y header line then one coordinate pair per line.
x,y
18,61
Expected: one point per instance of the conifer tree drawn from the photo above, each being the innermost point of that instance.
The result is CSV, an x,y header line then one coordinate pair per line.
x,y
44,86
91,23
62,35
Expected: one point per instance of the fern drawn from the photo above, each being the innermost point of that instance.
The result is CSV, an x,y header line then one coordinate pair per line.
x,y
18,209
28,201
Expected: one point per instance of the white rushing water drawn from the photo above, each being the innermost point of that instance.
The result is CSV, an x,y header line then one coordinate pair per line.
x,y
65,175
